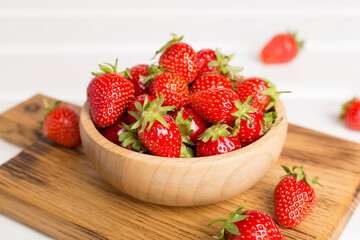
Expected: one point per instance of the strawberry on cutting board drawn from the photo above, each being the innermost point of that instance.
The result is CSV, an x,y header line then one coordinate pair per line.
x,y
109,95
250,224
61,124
216,140
350,113
294,197
282,48
179,57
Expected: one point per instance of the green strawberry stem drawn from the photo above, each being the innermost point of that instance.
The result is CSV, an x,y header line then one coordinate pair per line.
x,y
269,121
214,132
131,137
126,73
150,112
300,175
222,61
168,44
344,108
300,43
106,68
184,127
229,225
243,113
48,109
186,152
153,72
272,92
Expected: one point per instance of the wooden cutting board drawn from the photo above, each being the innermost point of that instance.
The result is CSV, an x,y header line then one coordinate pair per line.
x,y
57,191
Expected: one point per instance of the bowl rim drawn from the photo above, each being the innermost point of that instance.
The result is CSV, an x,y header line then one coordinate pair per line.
x,y
95,135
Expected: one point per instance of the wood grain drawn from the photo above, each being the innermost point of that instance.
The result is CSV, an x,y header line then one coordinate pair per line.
x,y
57,191
183,181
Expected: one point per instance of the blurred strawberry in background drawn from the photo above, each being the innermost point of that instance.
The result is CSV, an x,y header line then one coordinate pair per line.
x,y
350,113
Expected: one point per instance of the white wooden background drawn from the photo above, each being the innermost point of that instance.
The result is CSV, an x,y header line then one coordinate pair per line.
x,y
51,47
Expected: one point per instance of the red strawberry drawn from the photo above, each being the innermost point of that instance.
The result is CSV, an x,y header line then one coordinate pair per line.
x,y
281,49
264,92
108,94
134,76
214,61
61,124
251,224
180,57
251,129
218,104
196,124
207,81
351,114
157,131
204,57
132,107
217,139
121,134
294,197
174,88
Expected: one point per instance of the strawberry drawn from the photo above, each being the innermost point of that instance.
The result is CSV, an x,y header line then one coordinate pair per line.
x,y
134,76
221,63
108,94
204,57
121,134
61,124
207,81
157,131
196,124
218,104
282,48
221,141
350,113
294,197
251,224
132,107
174,88
264,92
179,57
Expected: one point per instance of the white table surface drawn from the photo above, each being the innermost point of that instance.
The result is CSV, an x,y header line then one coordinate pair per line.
x,y
51,47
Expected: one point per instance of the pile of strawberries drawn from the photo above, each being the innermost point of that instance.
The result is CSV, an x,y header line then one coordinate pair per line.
x,y
190,104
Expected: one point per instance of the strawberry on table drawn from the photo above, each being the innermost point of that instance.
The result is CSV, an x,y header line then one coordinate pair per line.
x,y
350,113
157,131
61,124
132,108
282,48
264,92
294,197
109,95
179,57
251,225
217,139
134,75
206,81
174,88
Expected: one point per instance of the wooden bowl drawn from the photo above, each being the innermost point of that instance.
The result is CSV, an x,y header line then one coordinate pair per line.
x,y
182,181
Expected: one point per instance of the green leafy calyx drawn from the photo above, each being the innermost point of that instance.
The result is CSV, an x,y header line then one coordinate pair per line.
x,y
243,113
222,61
106,68
345,106
168,44
229,225
299,174
300,43
48,109
150,112
269,121
272,92
130,136
215,131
